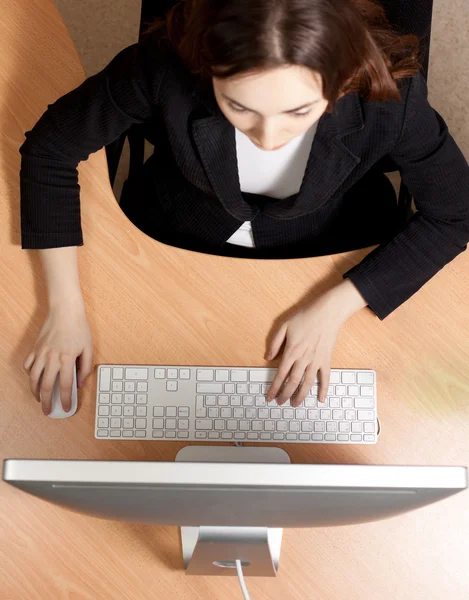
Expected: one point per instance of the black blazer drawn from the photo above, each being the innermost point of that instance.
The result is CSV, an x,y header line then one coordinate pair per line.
x,y
188,192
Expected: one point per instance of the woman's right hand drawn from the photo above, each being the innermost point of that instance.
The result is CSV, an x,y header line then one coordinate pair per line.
x,y
64,337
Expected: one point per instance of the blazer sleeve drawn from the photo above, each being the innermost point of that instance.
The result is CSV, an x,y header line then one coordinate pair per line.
x,y
79,123
437,175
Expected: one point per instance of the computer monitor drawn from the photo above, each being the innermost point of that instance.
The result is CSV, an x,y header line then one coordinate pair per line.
x,y
232,502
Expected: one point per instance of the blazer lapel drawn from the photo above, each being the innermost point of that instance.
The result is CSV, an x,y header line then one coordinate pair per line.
x,y
330,161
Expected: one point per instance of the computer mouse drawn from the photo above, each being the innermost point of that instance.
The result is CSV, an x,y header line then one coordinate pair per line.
x,y
57,411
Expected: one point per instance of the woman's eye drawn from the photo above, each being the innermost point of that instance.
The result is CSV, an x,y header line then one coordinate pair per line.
x,y
242,110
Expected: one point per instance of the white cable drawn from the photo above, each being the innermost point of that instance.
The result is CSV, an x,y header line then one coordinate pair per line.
x,y
239,569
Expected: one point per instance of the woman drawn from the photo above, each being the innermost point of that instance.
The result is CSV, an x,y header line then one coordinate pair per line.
x,y
273,121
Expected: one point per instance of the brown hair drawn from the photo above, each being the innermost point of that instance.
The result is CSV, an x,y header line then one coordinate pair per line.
x,y
350,43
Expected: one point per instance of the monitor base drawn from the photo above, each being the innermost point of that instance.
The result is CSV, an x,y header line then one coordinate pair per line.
x,y
213,550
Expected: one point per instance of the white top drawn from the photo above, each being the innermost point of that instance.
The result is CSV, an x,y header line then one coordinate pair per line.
x,y
274,173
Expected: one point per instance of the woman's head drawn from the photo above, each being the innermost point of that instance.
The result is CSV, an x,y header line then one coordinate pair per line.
x,y
272,56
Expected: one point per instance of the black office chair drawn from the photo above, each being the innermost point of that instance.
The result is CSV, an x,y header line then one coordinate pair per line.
x,y
407,17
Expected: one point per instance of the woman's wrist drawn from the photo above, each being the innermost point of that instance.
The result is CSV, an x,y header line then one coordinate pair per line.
x,y
346,299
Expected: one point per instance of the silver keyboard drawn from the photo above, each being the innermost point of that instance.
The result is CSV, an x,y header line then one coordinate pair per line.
x,y
223,404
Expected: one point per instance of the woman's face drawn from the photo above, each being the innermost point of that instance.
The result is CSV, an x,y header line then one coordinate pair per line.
x,y
274,106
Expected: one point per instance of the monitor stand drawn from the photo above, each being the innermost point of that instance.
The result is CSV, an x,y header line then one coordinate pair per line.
x,y
213,550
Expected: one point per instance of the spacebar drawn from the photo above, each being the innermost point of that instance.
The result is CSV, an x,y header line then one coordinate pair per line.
x,y
209,388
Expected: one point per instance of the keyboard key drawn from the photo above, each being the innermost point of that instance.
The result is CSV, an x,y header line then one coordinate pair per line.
x,y
128,423
158,423
141,398
348,377
248,400
355,438
183,411
365,378
238,413
141,411
313,414
340,390
234,400
269,425
369,427
129,386
158,411
223,401
201,413
103,422
350,415
244,425
140,434
317,437
343,437
129,411
369,437
127,433
262,375
304,437
242,388
103,411
347,402
330,437
204,374
210,388
170,434
356,427
225,413
171,411
300,414
203,424
282,426
279,436
116,410
213,412
266,436
263,413
117,386
105,379
116,433
331,426
306,426
253,436
294,426
129,398
184,374
310,402
229,388
338,414
344,427
364,403
239,436
319,426
326,414
254,388
367,391
365,415
118,373
140,423
170,423
171,386
251,413
183,434
353,390
139,373
219,424
260,401
222,375
103,433
160,373
183,424
226,435
116,398
104,398
239,375
157,434
214,435
256,425
288,413
334,402
211,400
334,377
142,386
115,422
172,374
291,436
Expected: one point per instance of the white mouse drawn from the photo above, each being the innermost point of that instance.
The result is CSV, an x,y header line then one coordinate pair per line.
x,y
57,411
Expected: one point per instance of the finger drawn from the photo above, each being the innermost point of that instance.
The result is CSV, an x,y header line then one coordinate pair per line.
x,y
51,371
277,342
66,383
324,378
29,360
35,377
282,373
305,387
293,381
85,365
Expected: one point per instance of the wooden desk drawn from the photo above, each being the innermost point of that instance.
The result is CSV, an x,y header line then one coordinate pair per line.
x,y
148,303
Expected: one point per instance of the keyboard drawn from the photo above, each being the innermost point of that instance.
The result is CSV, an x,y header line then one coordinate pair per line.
x,y
223,404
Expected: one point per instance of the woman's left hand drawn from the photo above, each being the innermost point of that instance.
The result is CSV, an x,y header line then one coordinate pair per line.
x,y
310,335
